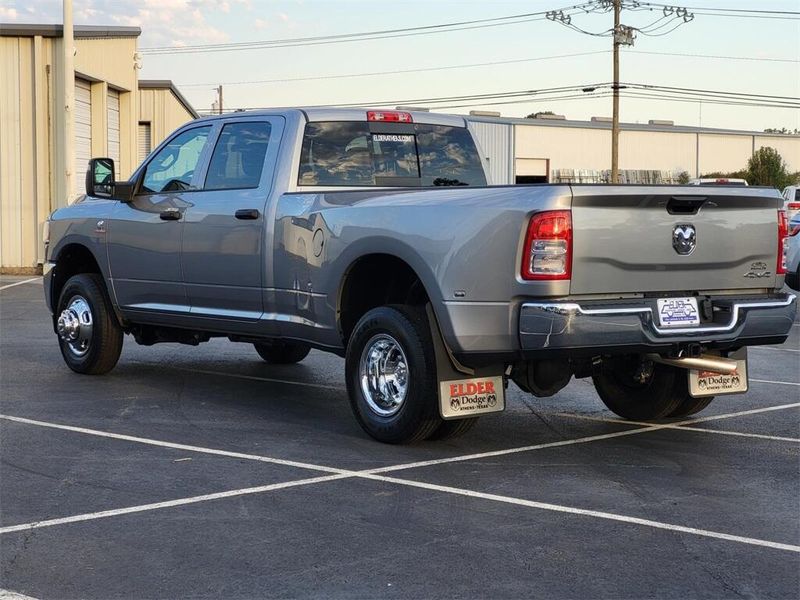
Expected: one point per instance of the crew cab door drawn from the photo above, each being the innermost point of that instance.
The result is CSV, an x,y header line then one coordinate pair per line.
x,y
144,236
222,256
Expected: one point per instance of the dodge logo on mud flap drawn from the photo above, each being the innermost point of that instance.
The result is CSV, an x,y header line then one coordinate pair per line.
x,y
471,397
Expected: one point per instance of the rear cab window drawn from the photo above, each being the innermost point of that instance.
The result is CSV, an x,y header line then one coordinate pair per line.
x,y
361,154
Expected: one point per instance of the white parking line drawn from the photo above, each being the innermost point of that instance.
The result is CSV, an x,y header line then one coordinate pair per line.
x,y
680,427
164,444
585,512
9,595
774,349
242,376
775,382
10,285
170,503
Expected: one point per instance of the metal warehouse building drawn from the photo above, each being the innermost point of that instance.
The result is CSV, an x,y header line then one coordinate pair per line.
x,y
559,150
114,115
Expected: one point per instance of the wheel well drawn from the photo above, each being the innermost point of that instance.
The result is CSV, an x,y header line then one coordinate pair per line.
x,y
72,260
376,280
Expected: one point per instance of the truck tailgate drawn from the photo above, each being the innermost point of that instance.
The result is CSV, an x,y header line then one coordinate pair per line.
x,y
662,239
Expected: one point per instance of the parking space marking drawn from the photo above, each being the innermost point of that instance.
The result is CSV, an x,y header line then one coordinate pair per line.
x,y
322,386
9,595
375,475
643,428
585,512
774,348
171,503
775,382
165,444
680,427
10,285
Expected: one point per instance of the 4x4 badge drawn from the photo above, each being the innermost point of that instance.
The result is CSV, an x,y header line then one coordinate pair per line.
x,y
684,238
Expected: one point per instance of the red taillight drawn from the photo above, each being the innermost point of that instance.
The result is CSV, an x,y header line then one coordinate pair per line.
x,y
783,242
547,252
389,116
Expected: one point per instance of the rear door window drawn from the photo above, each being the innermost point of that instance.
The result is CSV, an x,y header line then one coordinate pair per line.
x,y
238,157
338,153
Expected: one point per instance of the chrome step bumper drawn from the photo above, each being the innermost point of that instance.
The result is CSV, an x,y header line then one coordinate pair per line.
x,y
565,325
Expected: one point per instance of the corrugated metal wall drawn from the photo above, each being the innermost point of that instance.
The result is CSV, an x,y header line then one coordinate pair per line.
x,y
496,144
32,169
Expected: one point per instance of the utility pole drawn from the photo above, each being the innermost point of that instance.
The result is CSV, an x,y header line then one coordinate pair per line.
x,y
69,103
621,35
219,95
615,93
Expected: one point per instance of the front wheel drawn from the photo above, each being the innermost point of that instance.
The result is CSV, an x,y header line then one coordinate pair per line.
x,y
640,390
89,334
391,375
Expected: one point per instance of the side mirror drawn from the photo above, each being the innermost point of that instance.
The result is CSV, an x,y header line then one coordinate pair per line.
x,y
100,181
100,178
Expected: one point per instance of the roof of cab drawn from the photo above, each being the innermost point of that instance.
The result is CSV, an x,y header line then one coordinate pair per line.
x,y
347,114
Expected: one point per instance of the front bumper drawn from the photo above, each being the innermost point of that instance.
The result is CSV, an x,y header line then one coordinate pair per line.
x,y
624,324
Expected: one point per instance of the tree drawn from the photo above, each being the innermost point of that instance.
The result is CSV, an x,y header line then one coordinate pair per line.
x,y
683,177
766,167
536,115
782,130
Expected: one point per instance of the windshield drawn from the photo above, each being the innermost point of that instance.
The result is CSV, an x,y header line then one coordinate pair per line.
x,y
339,153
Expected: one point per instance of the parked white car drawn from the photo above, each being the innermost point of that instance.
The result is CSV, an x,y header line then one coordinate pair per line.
x,y
717,181
791,205
793,254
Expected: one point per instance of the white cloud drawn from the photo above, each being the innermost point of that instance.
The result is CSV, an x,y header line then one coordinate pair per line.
x,y
9,14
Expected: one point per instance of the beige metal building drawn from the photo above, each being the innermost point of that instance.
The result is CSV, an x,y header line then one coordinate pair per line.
x,y
111,110
554,150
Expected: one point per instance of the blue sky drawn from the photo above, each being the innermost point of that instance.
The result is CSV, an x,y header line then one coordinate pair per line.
x,y
189,22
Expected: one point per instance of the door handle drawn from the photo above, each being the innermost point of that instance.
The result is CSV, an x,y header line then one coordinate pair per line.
x,y
246,214
170,214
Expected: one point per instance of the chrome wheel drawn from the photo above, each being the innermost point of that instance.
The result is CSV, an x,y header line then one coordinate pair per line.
x,y
75,325
384,376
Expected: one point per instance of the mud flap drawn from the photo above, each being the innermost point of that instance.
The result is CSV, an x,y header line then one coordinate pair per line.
x,y
708,383
465,392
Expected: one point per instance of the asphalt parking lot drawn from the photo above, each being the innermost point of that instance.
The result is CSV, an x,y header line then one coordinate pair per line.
x,y
206,473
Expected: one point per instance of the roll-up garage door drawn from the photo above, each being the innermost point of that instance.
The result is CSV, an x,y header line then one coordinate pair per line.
x,y
113,127
143,141
83,133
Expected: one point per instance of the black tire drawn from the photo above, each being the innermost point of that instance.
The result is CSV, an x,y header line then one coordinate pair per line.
x,y
654,399
404,332
104,344
448,430
282,352
688,405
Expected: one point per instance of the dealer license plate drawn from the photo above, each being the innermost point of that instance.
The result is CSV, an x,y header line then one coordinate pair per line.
x,y
708,383
677,312
471,397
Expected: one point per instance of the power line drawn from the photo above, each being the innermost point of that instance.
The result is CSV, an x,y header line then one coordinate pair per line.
x,y
587,91
717,56
402,71
360,36
486,64
721,9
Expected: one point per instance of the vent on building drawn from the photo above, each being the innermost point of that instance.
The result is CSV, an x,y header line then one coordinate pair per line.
x,y
484,113
602,119
552,117
143,141
660,122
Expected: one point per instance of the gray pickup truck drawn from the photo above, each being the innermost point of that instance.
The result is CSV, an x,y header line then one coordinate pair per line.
x,y
373,235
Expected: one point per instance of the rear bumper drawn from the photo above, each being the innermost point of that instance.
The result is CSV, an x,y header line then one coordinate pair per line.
x,y
620,325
